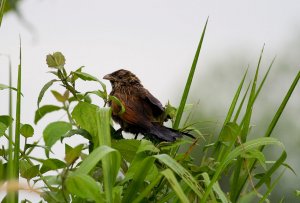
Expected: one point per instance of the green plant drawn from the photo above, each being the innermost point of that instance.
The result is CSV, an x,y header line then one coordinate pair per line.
x,y
107,168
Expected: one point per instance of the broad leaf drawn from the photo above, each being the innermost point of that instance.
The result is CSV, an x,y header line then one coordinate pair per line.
x,y
127,148
27,170
54,131
52,164
42,111
85,116
73,154
84,186
27,130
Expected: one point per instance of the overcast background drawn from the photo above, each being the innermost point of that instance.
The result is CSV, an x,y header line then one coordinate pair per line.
x,y
157,40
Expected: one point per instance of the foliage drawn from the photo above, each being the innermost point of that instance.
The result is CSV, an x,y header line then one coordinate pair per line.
x,y
108,168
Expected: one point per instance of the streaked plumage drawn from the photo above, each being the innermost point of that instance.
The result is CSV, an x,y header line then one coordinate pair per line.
x,y
143,112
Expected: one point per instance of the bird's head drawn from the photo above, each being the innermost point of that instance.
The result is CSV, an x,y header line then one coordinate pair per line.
x,y
122,78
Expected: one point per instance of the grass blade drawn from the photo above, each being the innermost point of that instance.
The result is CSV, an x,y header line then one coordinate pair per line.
x,y
216,189
274,167
244,133
110,170
272,125
182,172
148,189
98,154
175,185
272,187
90,190
138,179
235,153
241,104
264,79
189,81
234,101
219,151
281,107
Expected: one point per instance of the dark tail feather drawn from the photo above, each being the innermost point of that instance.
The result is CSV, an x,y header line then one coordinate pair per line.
x,y
167,134
182,132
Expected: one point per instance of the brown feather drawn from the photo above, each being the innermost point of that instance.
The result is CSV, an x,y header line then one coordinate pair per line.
x,y
143,112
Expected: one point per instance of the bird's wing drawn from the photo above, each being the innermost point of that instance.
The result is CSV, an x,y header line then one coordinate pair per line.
x,y
135,112
155,105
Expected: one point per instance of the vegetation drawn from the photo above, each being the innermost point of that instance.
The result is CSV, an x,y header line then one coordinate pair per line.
x,y
107,168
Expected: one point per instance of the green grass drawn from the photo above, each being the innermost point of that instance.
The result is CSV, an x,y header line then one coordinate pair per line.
x,y
106,168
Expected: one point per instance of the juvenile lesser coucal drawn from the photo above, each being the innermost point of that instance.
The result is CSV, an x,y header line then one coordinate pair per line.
x,y
143,112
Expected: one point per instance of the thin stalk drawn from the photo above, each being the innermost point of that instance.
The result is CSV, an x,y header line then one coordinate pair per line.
x,y
11,169
18,124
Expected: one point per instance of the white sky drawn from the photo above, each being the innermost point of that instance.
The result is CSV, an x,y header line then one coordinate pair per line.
x,y
154,39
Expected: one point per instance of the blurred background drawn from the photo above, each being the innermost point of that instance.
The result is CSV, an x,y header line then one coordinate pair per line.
x,y
157,41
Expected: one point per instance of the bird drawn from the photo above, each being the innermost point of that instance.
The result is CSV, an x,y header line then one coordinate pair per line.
x,y
144,114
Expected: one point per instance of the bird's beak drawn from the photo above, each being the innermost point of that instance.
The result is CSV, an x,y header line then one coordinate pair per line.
x,y
108,77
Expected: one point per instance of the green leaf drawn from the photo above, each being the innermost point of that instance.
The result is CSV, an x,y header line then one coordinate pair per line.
x,y
229,132
274,167
245,147
84,186
271,188
118,102
81,132
27,146
3,87
117,193
216,188
170,111
85,76
256,154
175,185
52,164
42,111
85,116
3,128
146,145
282,106
53,197
127,148
55,60
54,131
6,120
182,172
59,97
73,154
99,93
27,130
98,154
27,170
88,77
138,178
43,90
